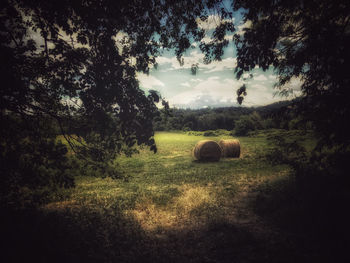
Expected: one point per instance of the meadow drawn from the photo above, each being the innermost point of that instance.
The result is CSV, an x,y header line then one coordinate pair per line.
x,y
170,190
172,208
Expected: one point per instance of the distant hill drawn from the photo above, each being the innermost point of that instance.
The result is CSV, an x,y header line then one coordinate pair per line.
x,y
276,105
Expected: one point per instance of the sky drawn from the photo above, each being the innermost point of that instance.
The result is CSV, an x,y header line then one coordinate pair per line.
x,y
215,84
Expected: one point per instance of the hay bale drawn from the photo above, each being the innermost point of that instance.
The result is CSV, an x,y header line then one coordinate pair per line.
x,y
207,150
230,148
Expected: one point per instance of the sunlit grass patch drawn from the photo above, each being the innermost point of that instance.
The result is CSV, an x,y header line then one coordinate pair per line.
x,y
188,204
193,197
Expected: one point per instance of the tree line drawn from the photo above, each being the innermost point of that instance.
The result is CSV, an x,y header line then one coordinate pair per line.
x,y
240,120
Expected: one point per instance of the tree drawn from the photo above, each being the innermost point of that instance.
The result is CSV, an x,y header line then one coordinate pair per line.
x,y
304,40
74,63
244,125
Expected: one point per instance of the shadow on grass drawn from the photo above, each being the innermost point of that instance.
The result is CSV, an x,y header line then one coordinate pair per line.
x,y
70,236
313,215
85,235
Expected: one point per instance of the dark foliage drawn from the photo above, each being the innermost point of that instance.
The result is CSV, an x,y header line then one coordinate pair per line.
x,y
244,125
241,92
276,115
108,236
306,40
74,64
32,164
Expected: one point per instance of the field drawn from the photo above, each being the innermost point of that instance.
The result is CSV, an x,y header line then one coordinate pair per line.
x,y
170,191
170,208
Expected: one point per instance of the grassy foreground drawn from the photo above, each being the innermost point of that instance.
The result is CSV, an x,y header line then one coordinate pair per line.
x,y
171,209
170,191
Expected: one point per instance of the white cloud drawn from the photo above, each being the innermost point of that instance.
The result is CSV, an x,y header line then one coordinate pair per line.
x,y
221,92
295,84
149,82
212,92
211,23
216,66
207,39
173,64
165,60
166,64
260,96
261,77
185,84
259,86
240,28
245,75
232,82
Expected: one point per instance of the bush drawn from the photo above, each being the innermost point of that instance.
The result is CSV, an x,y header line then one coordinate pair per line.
x,y
32,172
34,166
268,123
244,125
195,133
210,133
188,126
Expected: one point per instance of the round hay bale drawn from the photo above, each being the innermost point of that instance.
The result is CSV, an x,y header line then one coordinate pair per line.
x,y
207,150
230,148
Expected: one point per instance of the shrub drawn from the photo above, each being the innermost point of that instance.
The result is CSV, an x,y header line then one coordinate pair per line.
x,y
244,125
34,166
210,133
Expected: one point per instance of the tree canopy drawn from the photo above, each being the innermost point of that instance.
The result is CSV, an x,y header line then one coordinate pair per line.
x,y
72,65
304,40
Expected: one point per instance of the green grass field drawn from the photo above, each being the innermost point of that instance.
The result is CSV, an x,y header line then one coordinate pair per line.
x,y
171,208
170,191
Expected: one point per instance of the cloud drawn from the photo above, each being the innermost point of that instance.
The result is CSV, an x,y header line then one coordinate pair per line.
x,y
259,94
212,22
261,77
149,82
217,66
295,84
240,28
214,85
205,101
259,86
217,91
185,84
171,63
167,64
213,92
245,75
208,39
